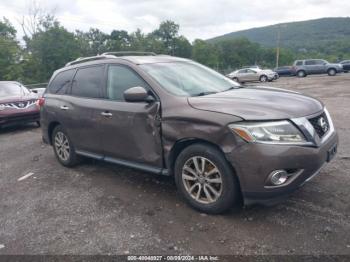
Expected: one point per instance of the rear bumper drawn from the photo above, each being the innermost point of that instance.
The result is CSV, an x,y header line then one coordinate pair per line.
x,y
20,118
254,163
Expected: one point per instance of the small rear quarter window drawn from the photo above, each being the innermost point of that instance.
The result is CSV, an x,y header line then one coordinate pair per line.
x,y
61,82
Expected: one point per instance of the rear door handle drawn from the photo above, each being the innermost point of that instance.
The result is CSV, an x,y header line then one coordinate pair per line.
x,y
107,114
64,107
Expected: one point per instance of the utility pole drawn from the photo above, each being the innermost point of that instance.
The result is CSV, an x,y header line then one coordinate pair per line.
x,y
278,44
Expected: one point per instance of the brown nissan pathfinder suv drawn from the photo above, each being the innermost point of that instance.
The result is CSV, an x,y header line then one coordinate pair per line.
x,y
175,117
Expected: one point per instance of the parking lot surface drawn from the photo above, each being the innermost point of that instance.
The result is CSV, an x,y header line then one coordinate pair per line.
x,y
98,208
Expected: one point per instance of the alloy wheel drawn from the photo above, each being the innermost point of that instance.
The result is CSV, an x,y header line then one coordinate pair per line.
x,y
301,74
62,146
263,78
332,72
202,180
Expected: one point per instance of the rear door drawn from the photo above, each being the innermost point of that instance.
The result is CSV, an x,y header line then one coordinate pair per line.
x,y
311,66
242,75
79,108
252,75
129,131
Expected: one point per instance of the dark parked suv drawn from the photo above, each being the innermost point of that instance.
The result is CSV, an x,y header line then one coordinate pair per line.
x,y
172,116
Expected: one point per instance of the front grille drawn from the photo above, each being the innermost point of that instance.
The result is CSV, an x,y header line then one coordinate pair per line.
x,y
320,124
20,104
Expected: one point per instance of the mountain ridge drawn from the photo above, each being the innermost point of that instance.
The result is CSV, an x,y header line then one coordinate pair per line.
x,y
308,34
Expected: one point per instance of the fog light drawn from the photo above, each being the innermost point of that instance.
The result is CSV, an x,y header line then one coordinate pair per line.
x,y
278,177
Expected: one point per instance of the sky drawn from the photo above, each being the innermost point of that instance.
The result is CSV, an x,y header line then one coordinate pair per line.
x,y
197,18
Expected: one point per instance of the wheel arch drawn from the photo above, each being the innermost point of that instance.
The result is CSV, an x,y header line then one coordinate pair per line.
x,y
181,144
301,70
50,129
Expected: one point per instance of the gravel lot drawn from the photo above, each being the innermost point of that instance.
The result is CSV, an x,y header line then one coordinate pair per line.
x,y
97,208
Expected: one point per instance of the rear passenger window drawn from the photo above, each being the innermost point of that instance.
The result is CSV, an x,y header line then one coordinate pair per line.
x,y
121,78
87,82
61,82
310,62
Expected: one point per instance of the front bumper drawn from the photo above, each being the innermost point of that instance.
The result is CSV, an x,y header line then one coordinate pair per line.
x,y
23,117
253,164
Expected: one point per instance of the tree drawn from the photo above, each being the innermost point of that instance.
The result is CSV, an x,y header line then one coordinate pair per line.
x,y
47,50
167,33
138,41
97,41
182,47
205,53
238,52
118,40
9,52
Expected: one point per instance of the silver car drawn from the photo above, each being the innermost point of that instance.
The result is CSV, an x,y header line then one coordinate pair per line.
x,y
252,74
306,67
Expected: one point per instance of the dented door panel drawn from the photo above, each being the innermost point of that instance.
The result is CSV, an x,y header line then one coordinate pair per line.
x,y
131,132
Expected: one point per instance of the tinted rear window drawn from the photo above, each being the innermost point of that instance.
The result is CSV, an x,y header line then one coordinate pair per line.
x,y
310,62
61,82
87,82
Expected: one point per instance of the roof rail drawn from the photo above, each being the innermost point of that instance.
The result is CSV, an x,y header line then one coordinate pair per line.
x,y
125,53
90,58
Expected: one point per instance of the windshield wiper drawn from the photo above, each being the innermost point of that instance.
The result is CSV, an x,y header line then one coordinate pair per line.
x,y
205,93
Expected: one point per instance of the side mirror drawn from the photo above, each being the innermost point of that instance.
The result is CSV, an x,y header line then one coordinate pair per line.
x,y
137,94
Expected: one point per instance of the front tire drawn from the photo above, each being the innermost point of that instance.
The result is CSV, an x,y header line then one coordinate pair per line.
x,y
64,148
331,72
205,179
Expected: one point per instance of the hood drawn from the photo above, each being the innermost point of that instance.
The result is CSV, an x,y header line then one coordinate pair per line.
x,y
335,64
257,103
24,97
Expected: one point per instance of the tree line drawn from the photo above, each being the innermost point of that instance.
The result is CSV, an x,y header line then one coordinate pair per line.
x,y
49,46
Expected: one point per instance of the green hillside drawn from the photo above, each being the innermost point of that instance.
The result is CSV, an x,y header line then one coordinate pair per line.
x,y
307,36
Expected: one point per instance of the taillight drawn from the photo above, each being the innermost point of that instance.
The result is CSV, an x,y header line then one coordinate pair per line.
x,y
40,102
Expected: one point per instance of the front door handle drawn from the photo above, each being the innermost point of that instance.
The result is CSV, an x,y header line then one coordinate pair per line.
x,y
107,114
64,107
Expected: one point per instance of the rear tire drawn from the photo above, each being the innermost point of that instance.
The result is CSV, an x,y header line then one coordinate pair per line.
x,y
206,180
331,72
301,73
64,148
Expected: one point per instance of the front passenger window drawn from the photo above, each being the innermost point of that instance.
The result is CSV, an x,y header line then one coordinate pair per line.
x,y
121,78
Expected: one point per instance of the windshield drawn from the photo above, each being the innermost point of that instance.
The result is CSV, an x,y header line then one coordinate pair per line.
x,y
12,89
188,78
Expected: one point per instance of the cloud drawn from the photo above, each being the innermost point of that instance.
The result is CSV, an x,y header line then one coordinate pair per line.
x,y
197,18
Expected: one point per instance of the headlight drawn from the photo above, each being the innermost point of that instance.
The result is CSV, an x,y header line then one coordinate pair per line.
x,y
277,132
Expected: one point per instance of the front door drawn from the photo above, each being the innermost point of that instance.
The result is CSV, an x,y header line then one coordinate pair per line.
x,y
129,131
